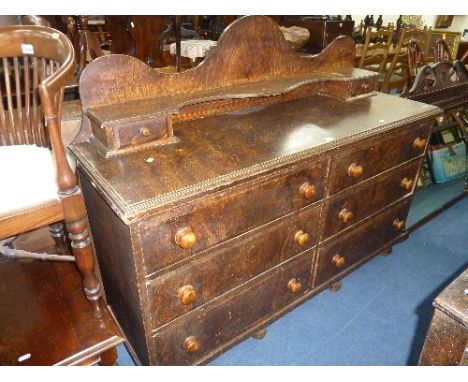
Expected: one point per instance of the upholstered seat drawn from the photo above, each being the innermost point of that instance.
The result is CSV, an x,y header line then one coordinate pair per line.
x,y
30,178
30,182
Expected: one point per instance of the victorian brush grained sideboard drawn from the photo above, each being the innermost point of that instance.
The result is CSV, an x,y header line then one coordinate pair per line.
x,y
224,196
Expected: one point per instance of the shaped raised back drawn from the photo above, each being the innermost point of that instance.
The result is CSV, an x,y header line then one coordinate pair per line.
x,y
253,64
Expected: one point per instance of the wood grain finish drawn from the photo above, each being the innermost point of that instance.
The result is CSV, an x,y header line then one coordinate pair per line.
x,y
355,245
227,318
231,264
217,234
369,197
107,106
379,155
446,342
269,199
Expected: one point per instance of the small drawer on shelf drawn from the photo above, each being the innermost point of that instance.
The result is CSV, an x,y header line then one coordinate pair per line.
x,y
370,158
194,336
207,222
339,254
364,86
345,210
230,264
116,135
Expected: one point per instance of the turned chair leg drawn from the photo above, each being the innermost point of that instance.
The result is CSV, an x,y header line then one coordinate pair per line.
x,y
57,232
84,259
78,232
109,357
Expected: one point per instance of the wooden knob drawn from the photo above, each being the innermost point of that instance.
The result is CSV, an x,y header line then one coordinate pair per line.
x,y
145,131
365,86
338,261
294,285
419,143
345,215
307,190
355,170
187,294
301,238
398,224
407,184
185,238
191,344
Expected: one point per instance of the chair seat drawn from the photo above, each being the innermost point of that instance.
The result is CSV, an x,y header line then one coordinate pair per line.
x,y
28,176
45,318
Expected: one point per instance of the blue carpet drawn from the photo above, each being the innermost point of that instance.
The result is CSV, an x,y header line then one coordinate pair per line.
x,y
381,314
433,197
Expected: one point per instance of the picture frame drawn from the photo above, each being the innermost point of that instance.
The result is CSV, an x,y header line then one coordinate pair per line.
x,y
443,21
465,35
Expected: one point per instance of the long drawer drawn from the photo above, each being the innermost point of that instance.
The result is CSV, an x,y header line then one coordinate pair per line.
x,y
211,326
370,158
337,255
346,209
209,222
230,264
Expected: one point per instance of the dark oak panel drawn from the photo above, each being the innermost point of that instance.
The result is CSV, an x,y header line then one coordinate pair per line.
x,y
241,210
231,264
378,155
347,209
357,244
228,318
221,231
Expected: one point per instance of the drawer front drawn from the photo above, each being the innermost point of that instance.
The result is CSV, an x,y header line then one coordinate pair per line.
x,y
204,330
356,164
337,255
364,86
120,135
231,264
138,132
227,215
350,207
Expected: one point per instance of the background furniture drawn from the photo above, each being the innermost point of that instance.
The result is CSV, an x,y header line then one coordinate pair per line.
x,y
235,218
374,53
43,190
445,85
447,339
322,31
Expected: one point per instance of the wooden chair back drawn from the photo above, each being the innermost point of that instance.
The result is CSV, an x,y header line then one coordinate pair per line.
x,y
416,60
397,77
36,62
441,51
375,50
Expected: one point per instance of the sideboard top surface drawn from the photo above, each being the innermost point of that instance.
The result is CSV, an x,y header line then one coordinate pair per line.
x,y
217,151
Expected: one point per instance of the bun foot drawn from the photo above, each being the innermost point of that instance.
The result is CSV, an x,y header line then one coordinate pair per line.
x,y
387,251
336,286
260,334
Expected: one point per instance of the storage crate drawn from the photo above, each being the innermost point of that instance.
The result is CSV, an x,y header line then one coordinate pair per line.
x,y
447,162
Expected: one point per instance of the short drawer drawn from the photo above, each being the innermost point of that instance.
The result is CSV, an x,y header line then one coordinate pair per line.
x,y
364,86
350,207
231,264
214,325
374,156
115,135
224,215
336,256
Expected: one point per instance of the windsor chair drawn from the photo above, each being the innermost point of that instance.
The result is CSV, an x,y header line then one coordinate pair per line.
x,y
39,188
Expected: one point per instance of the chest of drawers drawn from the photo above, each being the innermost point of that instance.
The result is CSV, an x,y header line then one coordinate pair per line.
x,y
252,210
191,271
